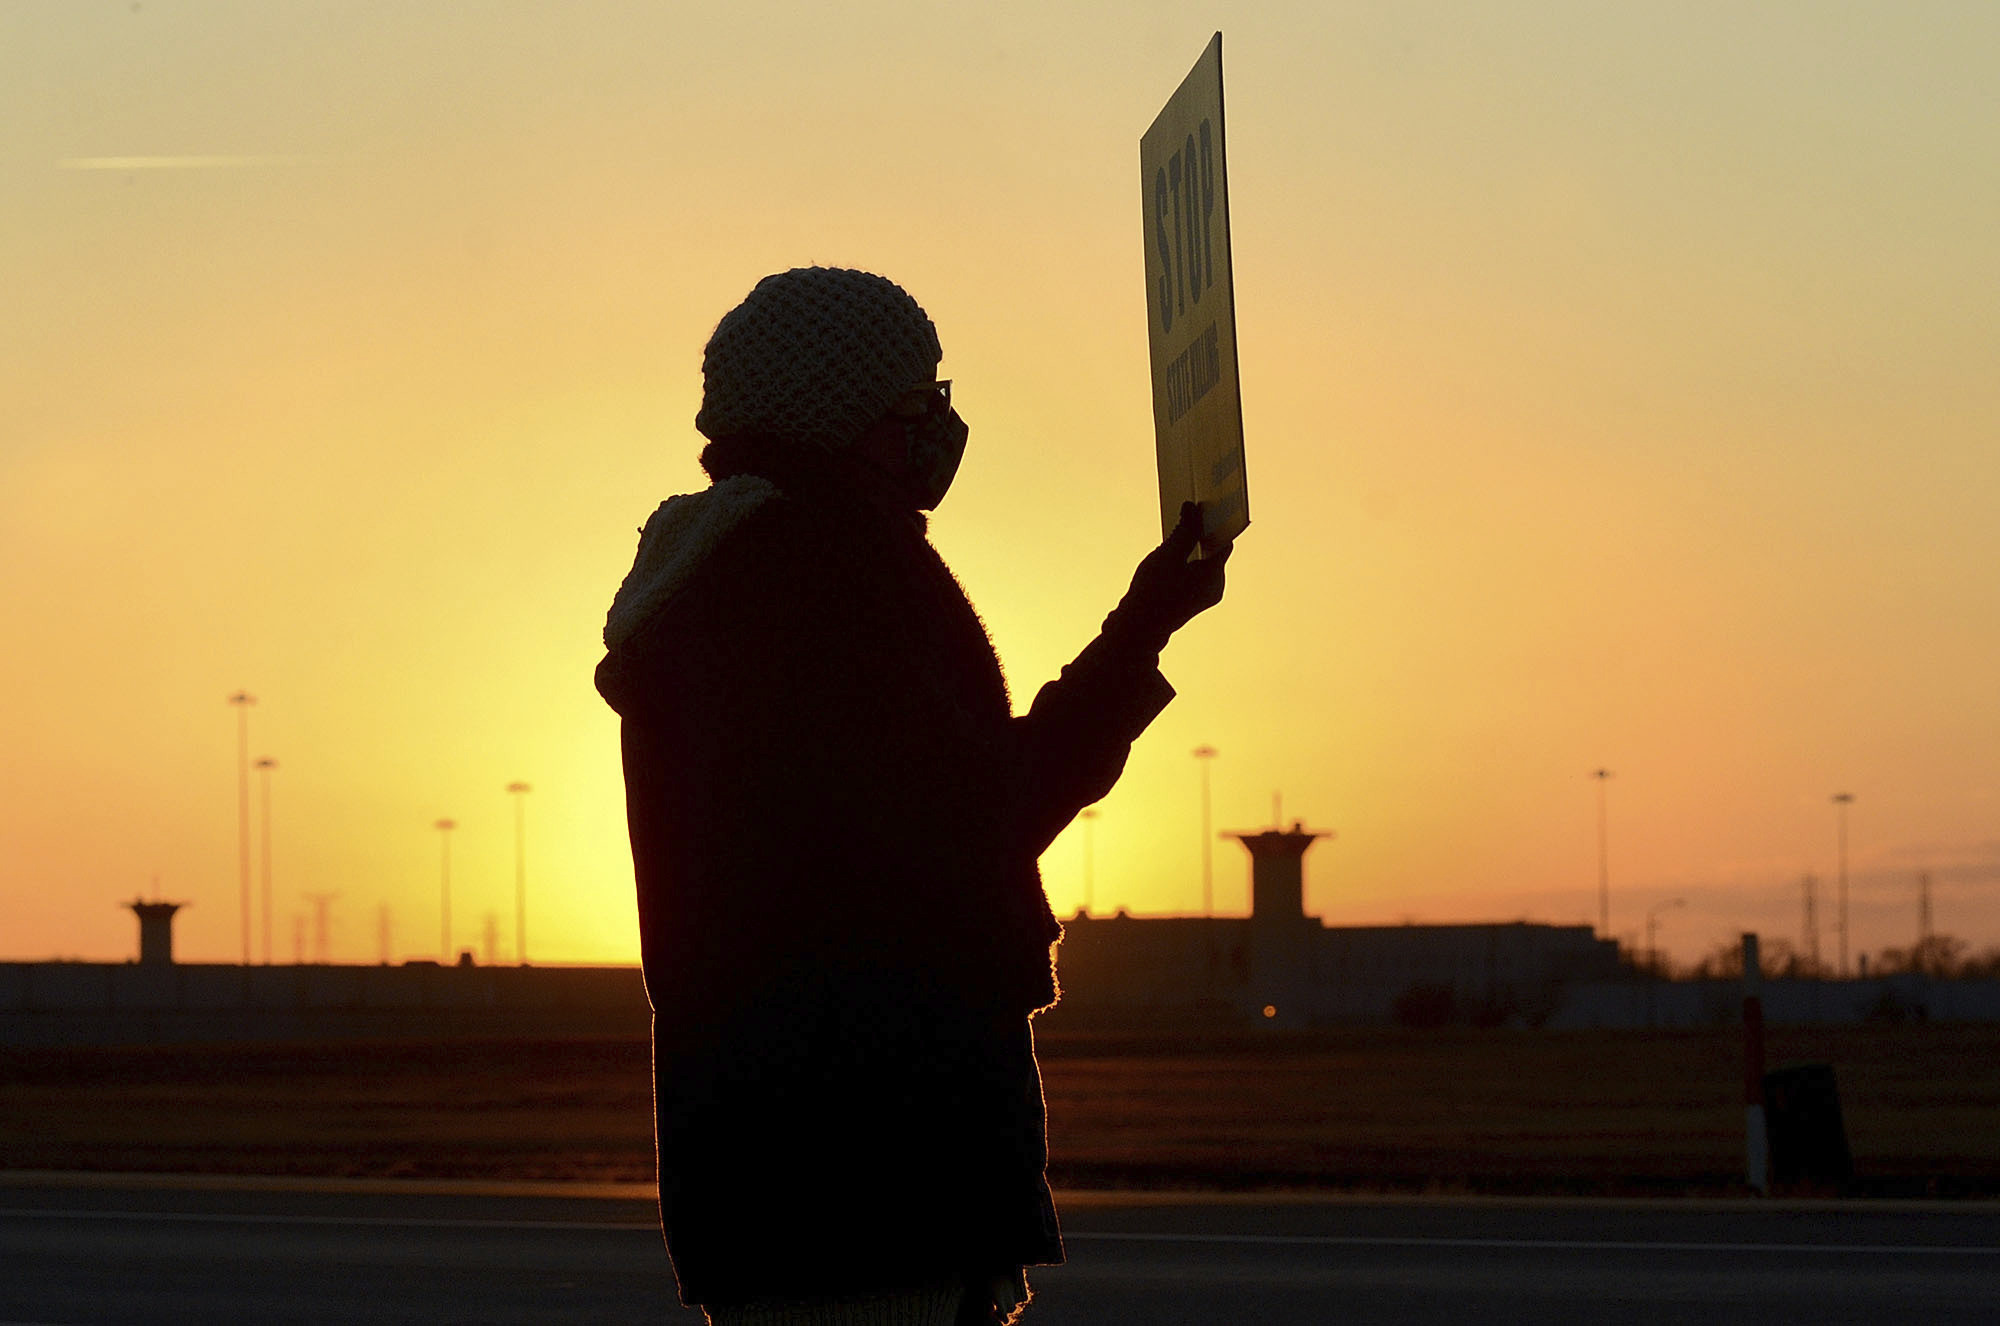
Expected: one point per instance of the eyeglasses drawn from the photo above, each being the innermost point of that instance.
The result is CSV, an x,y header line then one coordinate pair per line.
x,y
928,398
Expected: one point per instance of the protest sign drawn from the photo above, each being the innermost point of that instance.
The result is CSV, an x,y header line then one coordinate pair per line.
x,y
1191,307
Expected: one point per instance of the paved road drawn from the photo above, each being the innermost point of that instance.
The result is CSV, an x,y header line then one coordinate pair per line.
x,y
116,1250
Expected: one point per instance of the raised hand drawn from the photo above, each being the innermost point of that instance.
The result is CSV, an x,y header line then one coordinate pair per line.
x,y
1168,590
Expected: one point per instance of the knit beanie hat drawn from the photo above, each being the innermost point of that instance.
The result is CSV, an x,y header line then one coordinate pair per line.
x,y
814,356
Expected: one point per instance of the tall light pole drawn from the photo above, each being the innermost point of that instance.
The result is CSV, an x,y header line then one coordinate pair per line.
x,y
1203,755
1809,889
1603,776
444,828
1089,817
519,791
264,768
322,944
243,700
1841,801
1653,928
1924,929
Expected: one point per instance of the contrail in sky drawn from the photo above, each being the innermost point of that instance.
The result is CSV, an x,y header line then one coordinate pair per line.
x,y
172,163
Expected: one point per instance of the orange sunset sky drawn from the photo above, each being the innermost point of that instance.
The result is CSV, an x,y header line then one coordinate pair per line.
x,y
1619,385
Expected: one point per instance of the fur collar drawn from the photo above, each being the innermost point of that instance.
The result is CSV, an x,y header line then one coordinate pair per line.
x,y
677,539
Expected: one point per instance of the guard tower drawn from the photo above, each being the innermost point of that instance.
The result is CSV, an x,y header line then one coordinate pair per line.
x,y
156,931
1280,931
1277,870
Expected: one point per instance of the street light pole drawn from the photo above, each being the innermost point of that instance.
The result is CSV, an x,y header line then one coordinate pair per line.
x,y
1809,888
1204,754
1603,858
243,700
1652,931
1924,945
520,791
321,944
1841,801
264,767
444,828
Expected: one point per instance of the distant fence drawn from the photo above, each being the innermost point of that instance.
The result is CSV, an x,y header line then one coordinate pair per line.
x,y
1900,998
82,1003
78,1003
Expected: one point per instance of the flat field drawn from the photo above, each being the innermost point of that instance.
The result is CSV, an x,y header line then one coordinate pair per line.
x,y
1373,1110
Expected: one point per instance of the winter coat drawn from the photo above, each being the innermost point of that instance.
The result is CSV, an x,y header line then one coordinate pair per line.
x,y
835,821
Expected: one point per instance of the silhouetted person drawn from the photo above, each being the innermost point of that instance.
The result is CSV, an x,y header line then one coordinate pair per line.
x,y
835,820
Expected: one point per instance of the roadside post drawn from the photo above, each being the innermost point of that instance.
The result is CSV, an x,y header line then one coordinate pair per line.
x,y
1191,307
1756,1142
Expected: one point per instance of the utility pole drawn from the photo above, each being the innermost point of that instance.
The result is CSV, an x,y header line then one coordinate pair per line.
x,y
1924,930
264,768
1841,801
1603,858
1810,886
321,945
243,700
444,828
1203,755
1652,931
519,791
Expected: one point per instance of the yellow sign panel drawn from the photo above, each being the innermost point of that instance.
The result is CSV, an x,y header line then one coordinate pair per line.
x,y
1191,307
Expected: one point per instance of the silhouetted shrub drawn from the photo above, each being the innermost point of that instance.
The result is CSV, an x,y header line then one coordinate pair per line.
x,y
1984,967
1940,956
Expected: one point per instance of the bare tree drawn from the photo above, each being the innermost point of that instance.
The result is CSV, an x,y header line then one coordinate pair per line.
x,y
1941,956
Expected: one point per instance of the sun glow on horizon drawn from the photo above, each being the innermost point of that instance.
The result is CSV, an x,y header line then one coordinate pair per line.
x,y
1617,389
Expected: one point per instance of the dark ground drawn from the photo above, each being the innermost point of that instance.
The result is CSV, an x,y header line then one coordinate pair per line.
x,y
1587,1113
306,1252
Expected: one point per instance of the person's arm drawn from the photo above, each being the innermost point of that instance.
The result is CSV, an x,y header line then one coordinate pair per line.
x,y
1075,738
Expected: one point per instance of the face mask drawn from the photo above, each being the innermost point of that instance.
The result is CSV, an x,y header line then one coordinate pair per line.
x,y
936,445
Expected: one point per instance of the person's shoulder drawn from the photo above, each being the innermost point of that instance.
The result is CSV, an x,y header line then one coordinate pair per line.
x,y
785,551
684,543
721,562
